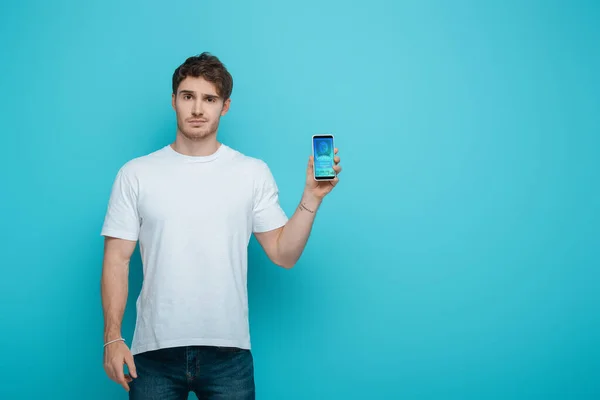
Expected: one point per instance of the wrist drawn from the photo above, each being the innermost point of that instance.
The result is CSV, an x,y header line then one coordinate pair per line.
x,y
112,335
310,201
114,341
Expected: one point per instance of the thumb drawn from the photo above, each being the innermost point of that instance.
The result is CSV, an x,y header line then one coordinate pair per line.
x,y
310,165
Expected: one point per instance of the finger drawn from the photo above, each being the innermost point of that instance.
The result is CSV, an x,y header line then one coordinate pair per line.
x,y
337,169
123,382
334,182
310,164
119,377
131,365
336,159
128,378
125,385
335,151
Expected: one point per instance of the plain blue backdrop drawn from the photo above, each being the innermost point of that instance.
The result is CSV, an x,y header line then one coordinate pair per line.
x,y
457,258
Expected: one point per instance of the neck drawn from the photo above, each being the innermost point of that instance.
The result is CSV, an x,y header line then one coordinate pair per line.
x,y
196,148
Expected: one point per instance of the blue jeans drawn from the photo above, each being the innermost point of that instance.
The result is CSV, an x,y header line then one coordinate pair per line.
x,y
223,373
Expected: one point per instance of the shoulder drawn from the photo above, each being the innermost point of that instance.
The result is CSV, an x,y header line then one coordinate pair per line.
x,y
249,164
138,165
253,170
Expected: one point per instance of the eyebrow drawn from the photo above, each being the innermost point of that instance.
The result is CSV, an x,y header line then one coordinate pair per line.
x,y
194,93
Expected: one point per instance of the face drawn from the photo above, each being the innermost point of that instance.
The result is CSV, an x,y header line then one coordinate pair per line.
x,y
198,108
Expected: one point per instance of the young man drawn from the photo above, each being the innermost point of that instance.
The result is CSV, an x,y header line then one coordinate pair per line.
x,y
193,205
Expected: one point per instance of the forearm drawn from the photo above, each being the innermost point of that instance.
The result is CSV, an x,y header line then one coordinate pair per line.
x,y
114,289
295,233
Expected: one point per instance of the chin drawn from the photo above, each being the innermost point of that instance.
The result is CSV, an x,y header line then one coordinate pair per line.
x,y
197,135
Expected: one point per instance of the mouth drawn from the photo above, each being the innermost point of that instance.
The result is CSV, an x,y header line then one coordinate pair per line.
x,y
197,121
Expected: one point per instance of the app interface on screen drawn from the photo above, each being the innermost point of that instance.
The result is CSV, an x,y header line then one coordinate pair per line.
x,y
323,148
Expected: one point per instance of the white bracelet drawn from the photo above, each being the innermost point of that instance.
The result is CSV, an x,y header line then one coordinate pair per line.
x,y
113,341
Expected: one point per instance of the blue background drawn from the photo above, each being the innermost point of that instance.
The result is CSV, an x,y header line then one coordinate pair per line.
x,y
466,268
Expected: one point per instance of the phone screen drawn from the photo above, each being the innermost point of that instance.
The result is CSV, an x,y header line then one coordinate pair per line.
x,y
323,157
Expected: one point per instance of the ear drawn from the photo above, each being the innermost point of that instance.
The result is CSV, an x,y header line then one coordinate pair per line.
x,y
226,105
173,102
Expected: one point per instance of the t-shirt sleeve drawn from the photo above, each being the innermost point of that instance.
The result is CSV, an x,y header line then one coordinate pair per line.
x,y
267,213
122,217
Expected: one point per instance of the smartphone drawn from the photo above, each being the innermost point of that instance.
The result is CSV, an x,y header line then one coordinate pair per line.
x,y
322,149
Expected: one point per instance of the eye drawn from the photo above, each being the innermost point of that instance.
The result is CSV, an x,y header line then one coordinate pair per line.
x,y
187,96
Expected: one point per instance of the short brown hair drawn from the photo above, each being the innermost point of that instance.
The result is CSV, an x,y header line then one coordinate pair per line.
x,y
208,67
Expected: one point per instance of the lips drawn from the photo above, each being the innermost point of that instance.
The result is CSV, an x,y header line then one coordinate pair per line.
x,y
197,121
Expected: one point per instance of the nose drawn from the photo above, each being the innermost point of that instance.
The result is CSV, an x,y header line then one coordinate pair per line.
x,y
197,108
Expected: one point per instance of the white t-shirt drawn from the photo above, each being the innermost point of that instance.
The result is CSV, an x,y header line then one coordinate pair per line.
x,y
193,217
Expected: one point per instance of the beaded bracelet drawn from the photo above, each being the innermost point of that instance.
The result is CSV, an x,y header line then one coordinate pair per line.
x,y
113,341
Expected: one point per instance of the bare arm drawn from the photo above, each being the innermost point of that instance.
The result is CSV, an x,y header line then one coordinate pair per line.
x,y
114,287
285,245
